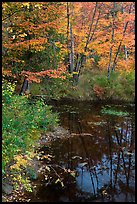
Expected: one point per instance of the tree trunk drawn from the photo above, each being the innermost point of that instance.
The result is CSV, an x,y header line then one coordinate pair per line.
x,y
125,51
68,34
118,50
112,39
81,59
110,61
70,42
71,50
25,87
90,30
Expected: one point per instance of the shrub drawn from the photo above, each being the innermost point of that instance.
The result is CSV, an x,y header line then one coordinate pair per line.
x,y
51,88
22,123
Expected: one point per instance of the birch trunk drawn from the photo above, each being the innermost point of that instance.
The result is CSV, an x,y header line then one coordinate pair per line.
x,y
118,50
68,34
112,39
71,50
81,58
125,51
70,41
125,48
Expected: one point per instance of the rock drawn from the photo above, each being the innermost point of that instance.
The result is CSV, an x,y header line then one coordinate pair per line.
x,y
32,171
6,188
33,175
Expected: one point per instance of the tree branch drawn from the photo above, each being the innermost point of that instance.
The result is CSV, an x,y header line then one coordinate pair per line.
x,y
9,15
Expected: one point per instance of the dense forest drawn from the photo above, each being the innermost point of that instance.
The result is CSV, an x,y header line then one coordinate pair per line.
x,y
80,50
58,40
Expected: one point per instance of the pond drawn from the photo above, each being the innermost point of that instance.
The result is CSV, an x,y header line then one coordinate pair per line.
x,y
97,162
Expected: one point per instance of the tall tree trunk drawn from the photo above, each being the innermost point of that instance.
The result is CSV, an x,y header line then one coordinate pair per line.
x,y
68,14
70,41
125,51
90,29
112,39
118,50
125,48
81,58
110,61
71,50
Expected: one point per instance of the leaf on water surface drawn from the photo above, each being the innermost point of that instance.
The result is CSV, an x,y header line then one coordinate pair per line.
x,y
62,184
47,168
86,134
104,192
76,157
83,164
129,153
97,123
74,134
93,167
46,177
81,134
58,180
73,112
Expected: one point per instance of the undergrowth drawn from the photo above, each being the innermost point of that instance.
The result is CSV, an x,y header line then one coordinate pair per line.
x,y
92,85
22,124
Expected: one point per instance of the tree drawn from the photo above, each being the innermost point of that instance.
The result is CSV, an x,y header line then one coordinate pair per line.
x,y
70,38
30,38
43,38
120,43
113,13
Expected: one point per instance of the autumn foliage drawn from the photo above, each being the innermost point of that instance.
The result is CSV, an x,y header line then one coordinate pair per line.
x,y
83,50
40,37
99,91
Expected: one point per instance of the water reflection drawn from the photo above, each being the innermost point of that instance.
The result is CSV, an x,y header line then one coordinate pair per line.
x,y
116,167
101,150
105,146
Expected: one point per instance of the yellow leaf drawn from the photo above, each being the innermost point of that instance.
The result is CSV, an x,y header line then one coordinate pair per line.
x,y
26,4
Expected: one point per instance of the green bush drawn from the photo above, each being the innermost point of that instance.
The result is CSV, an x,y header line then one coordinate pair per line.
x,y
120,85
22,123
51,88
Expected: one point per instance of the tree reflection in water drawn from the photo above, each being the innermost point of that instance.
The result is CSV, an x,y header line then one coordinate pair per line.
x,y
114,175
101,149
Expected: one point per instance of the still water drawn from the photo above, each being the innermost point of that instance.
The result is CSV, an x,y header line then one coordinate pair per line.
x,y
97,162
